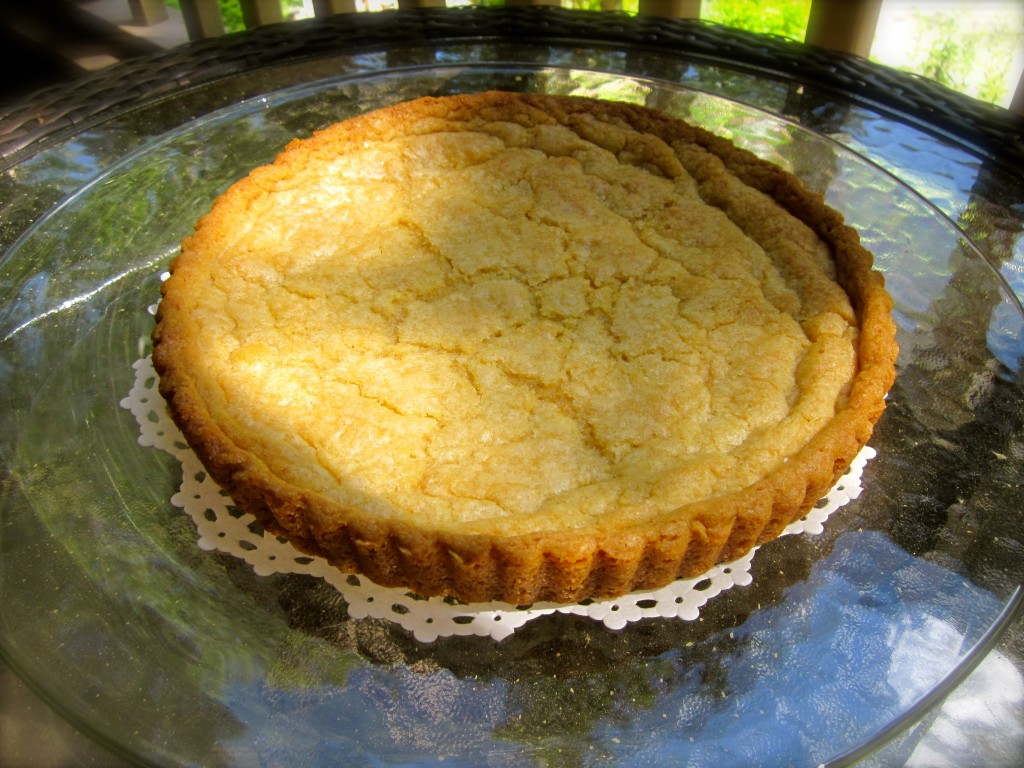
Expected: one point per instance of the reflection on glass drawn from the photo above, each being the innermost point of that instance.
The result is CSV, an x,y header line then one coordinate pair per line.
x,y
180,655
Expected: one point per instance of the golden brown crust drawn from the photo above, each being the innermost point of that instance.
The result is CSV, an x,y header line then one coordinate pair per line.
x,y
608,555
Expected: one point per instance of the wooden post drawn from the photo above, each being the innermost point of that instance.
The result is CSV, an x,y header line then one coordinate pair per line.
x,y
331,7
404,4
1017,102
843,25
670,9
202,18
256,13
147,12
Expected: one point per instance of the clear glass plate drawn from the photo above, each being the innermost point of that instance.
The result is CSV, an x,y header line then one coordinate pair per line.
x,y
171,655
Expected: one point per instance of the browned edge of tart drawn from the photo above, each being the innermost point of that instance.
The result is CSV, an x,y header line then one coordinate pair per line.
x,y
551,566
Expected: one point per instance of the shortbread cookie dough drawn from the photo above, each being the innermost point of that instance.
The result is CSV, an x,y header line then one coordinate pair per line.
x,y
521,347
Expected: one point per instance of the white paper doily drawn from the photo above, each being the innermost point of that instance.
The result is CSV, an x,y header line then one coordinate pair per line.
x,y
222,527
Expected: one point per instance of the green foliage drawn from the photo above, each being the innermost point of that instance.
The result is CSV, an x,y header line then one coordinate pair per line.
x,y
778,17
787,18
970,60
231,12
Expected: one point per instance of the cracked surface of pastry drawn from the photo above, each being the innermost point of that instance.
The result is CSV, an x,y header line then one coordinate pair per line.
x,y
505,316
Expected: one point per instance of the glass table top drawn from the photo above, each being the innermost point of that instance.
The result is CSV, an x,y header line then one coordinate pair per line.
x,y
170,655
